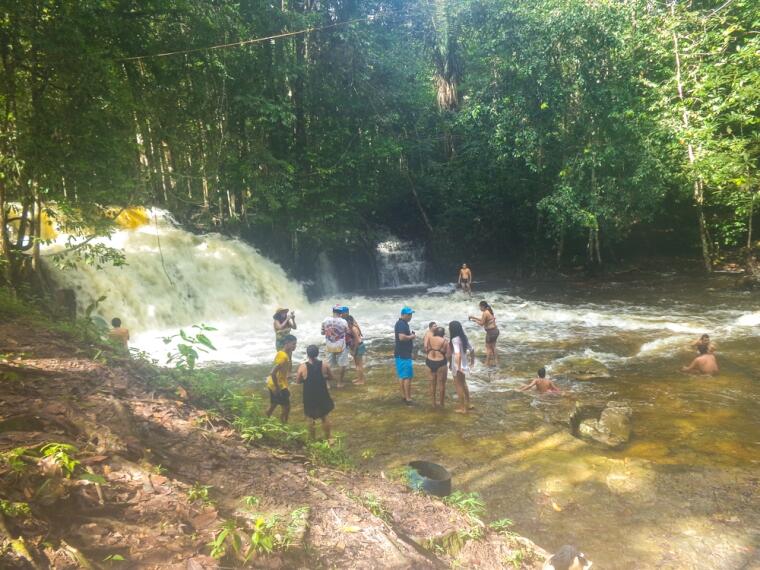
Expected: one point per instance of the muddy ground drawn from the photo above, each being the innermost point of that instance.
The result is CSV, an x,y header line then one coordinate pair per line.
x,y
158,479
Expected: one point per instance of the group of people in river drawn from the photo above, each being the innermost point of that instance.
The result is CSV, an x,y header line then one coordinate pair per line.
x,y
344,340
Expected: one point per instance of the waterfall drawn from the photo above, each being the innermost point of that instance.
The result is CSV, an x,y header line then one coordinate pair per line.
x,y
400,264
326,281
175,278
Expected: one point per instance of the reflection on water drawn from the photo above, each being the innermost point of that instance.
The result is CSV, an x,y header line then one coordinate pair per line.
x,y
682,494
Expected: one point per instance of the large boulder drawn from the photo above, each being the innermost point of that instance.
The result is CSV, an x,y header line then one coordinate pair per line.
x,y
613,428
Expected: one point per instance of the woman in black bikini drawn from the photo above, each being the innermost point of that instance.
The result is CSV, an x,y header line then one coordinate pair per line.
x,y
437,347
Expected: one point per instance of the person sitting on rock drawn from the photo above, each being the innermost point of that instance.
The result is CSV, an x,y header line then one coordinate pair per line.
x,y
705,364
542,384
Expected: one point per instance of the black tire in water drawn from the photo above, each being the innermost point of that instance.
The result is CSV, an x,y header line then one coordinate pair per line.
x,y
430,477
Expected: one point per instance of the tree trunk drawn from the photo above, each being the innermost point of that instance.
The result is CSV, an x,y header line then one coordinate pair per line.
x,y
749,224
6,257
699,194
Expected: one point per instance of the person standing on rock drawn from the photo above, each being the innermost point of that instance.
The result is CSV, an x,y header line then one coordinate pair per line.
x,y
465,279
402,352
317,403
277,382
542,384
335,329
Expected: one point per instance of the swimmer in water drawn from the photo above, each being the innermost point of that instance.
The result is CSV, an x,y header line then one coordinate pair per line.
x,y
465,279
705,364
704,339
542,384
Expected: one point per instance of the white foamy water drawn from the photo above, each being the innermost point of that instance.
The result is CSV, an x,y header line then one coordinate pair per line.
x,y
225,283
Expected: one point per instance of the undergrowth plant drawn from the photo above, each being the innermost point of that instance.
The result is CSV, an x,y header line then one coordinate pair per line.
x,y
200,493
243,539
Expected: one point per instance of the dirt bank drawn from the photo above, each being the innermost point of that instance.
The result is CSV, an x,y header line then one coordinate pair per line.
x,y
151,480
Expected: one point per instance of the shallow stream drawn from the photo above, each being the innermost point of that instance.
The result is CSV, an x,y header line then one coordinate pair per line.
x,y
684,493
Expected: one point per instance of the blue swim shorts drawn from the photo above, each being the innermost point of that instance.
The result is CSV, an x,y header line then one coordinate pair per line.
x,y
404,368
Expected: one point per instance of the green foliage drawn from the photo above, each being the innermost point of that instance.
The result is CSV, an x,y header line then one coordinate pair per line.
x,y
251,501
515,558
471,504
501,526
186,353
200,493
61,454
330,453
229,536
12,509
261,534
373,504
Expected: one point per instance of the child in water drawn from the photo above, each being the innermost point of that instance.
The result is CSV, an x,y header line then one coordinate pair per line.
x,y
542,384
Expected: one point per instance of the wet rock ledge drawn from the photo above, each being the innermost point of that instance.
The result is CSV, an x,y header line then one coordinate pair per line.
x,y
151,481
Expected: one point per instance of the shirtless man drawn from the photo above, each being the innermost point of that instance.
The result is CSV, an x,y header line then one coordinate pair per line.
x,y
119,334
465,279
705,364
704,339
542,383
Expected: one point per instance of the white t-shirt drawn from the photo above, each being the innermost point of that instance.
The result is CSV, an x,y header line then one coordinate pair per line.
x,y
456,344
335,329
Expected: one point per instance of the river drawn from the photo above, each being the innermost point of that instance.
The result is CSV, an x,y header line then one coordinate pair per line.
x,y
684,493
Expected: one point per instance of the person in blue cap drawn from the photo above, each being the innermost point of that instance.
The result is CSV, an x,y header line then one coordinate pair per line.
x,y
403,353
335,329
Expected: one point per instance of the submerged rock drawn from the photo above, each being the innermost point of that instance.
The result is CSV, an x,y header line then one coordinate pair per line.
x,y
581,368
613,428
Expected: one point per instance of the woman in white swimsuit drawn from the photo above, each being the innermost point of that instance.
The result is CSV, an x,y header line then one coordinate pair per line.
x,y
459,352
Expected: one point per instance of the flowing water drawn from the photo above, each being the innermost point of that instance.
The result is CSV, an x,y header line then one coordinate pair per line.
x,y
684,493
400,264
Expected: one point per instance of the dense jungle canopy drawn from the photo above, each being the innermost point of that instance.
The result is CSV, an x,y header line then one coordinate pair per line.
x,y
560,130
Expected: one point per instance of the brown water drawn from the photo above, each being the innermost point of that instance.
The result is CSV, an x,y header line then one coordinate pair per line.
x,y
684,493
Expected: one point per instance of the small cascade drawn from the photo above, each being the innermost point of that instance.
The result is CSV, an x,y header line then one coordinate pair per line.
x,y
327,283
400,264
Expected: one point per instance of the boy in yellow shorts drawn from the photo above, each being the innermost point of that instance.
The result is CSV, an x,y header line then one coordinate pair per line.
x,y
277,382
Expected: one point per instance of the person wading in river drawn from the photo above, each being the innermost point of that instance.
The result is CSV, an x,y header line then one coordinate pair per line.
x,y
317,403
357,348
465,279
335,329
705,340
283,322
705,363
436,353
458,353
277,382
487,320
542,384
403,354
